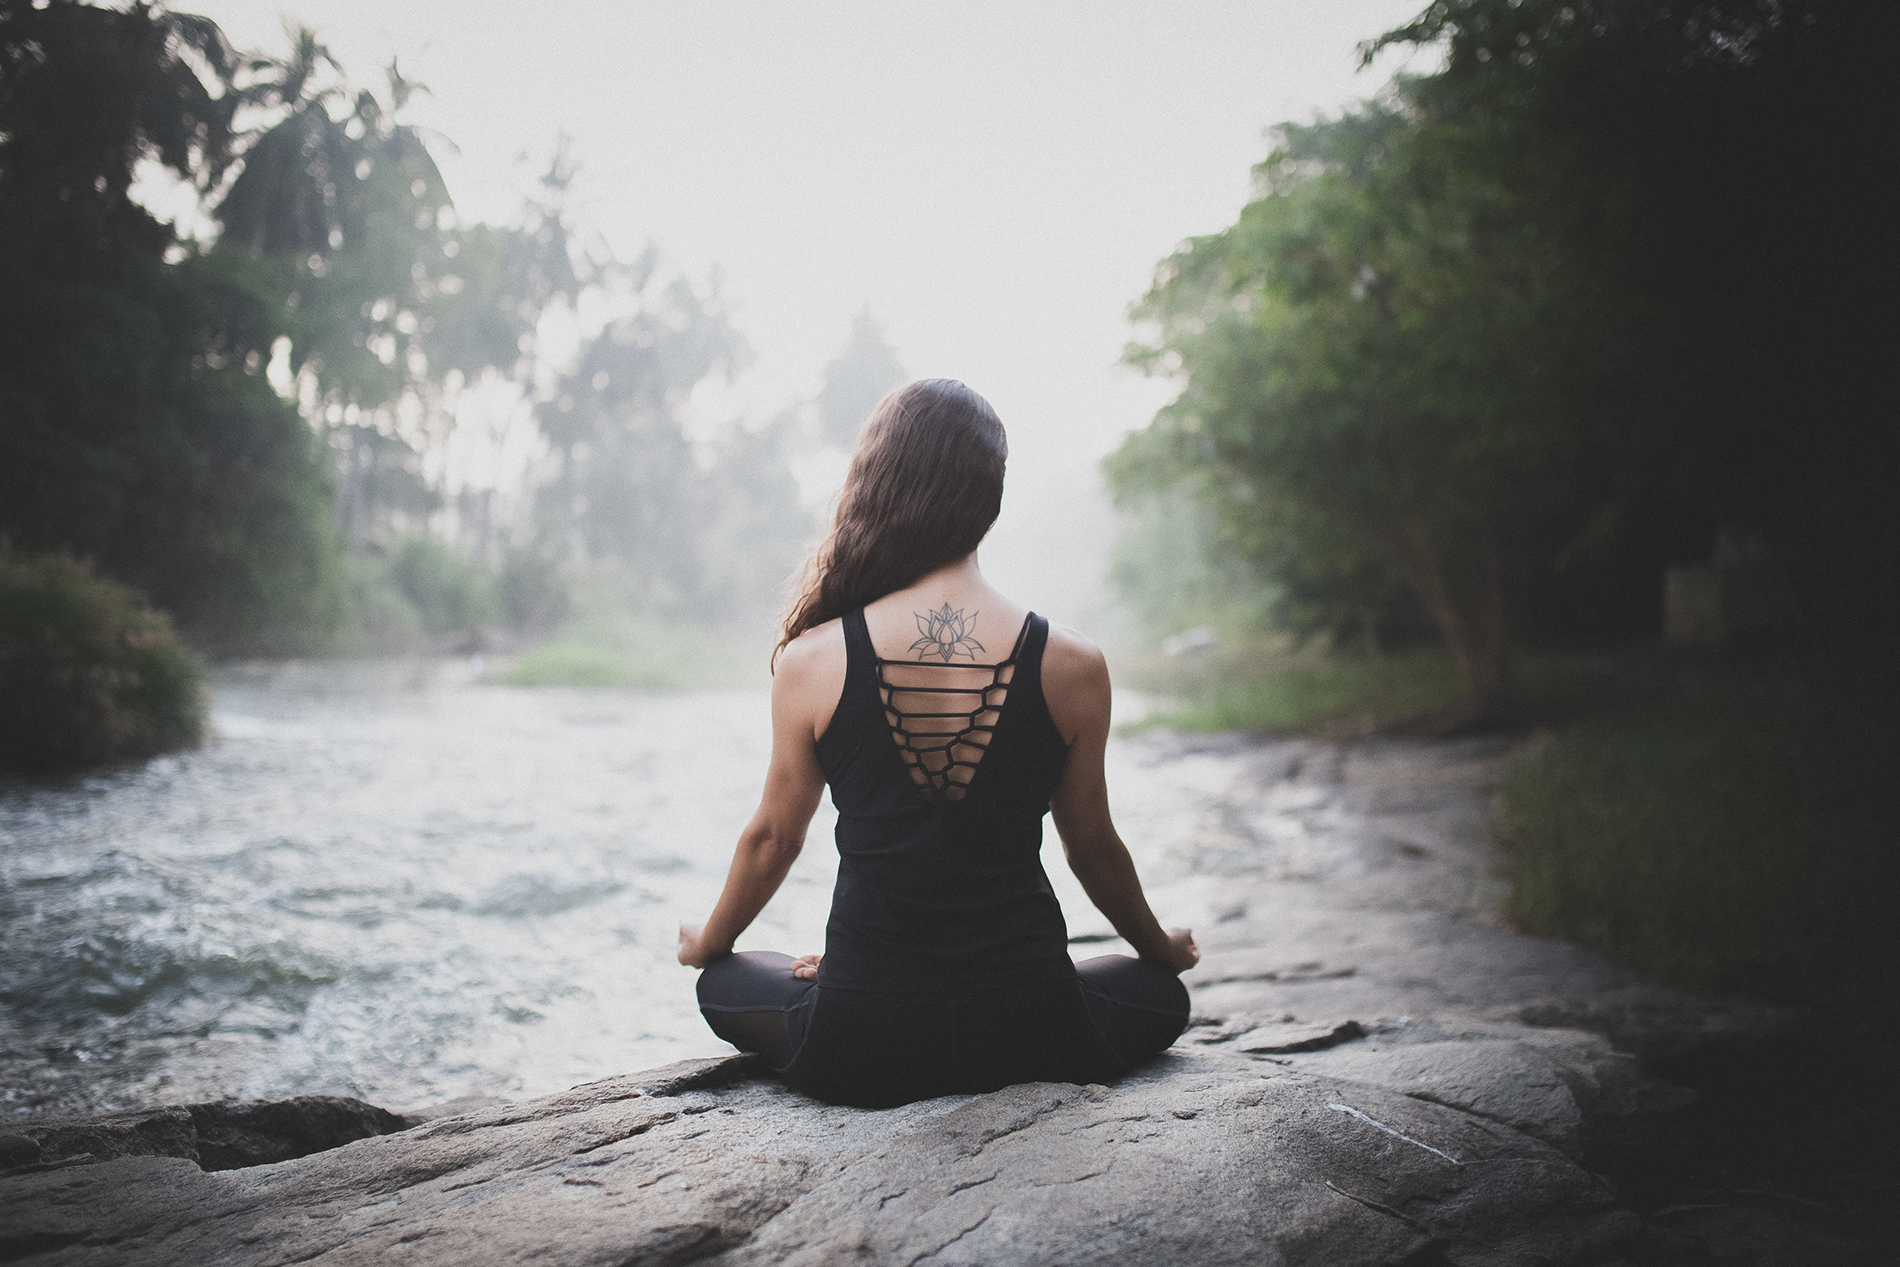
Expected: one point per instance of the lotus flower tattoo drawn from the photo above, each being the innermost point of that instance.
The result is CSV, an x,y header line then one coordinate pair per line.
x,y
945,633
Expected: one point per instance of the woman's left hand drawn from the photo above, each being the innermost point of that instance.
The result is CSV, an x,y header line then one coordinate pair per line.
x,y
805,967
694,952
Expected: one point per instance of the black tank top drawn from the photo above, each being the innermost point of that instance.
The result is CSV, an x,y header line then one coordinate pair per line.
x,y
940,881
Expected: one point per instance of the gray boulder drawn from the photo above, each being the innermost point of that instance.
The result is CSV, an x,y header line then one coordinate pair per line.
x,y
1386,1148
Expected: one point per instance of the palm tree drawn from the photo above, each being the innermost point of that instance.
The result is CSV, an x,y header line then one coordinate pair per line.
x,y
298,192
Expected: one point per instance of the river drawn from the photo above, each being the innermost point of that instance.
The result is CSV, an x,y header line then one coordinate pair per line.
x,y
394,882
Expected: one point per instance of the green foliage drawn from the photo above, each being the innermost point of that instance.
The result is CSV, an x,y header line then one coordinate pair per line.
x,y
88,673
531,592
1255,688
378,619
1732,834
420,595
448,593
139,429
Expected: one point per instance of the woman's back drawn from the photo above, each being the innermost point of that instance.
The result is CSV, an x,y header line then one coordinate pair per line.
x,y
982,625
941,761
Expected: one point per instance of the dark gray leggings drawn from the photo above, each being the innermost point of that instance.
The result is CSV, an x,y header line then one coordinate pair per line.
x,y
879,1050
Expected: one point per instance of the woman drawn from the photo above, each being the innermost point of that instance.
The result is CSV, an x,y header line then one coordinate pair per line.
x,y
947,720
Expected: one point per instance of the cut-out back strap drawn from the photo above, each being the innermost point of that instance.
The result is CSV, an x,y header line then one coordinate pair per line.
x,y
941,744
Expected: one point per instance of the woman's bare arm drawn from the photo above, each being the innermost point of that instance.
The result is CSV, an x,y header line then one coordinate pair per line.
x,y
1075,682
771,842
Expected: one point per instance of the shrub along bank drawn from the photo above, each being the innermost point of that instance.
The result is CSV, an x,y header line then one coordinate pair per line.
x,y
88,672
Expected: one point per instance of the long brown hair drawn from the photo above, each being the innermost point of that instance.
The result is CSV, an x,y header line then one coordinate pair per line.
x,y
926,483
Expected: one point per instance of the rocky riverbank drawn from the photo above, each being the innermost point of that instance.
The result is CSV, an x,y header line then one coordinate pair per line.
x,y
1378,1073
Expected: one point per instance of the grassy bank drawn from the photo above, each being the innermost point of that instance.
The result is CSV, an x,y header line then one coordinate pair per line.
x,y
1731,829
1267,686
655,658
604,643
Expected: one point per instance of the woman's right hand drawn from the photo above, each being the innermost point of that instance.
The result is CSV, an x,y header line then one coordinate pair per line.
x,y
1182,953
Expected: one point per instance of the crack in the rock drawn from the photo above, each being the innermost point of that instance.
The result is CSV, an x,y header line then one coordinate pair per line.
x,y
1428,1098
1390,1211
547,1164
1005,1133
641,1129
1093,1174
1118,1121
463,1124
415,1179
932,1253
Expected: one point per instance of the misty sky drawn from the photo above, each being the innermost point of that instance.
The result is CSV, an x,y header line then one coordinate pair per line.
x,y
995,180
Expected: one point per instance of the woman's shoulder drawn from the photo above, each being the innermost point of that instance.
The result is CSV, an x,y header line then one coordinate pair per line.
x,y
809,675
814,651
1072,652
1074,682
1072,644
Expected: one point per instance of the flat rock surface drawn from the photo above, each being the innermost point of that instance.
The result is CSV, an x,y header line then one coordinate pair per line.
x,y
1378,1073
1206,1157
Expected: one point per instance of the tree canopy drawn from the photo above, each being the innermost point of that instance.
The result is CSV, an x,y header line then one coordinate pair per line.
x,y
1515,336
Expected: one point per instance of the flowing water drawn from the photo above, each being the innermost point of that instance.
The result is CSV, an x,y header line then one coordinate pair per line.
x,y
395,883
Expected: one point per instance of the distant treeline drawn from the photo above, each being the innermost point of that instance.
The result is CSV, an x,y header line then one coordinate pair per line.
x,y
247,423
1484,356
